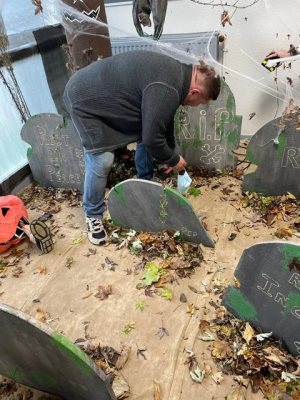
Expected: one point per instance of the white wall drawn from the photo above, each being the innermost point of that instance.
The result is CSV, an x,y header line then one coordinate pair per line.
x,y
256,37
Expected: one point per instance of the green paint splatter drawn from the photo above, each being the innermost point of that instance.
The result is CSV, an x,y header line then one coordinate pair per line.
x,y
45,378
293,300
289,252
70,350
197,142
230,103
29,152
181,200
66,121
250,157
242,307
237,119
223,84
281,146
255,189
222,126
34,117
233,137
115,222
184,145
118,193
14,374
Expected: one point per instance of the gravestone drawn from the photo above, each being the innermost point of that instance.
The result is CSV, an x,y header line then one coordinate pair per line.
x,y
151,207
206,135
277,156
33,354
56,153
269,293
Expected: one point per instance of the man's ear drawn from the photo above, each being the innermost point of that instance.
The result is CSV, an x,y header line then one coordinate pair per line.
x,y
194,91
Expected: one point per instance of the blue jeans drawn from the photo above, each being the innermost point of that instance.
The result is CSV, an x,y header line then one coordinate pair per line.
x,y
97,168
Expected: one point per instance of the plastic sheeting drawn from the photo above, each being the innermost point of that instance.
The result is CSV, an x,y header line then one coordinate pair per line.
x,y
32,81
19,16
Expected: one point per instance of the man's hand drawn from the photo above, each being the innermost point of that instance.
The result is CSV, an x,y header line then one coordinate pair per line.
x,y
178,167
278,53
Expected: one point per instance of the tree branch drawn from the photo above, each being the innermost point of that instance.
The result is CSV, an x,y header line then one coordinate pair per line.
x,y
211,3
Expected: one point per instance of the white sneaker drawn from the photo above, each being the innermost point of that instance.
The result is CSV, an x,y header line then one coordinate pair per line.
x,y
96,233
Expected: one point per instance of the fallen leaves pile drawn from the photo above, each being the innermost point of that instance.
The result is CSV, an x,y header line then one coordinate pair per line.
x,y
253,357
48,199
11,259
269,209
174,258
110,361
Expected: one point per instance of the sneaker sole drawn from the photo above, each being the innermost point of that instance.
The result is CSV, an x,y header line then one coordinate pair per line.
x,y
42,235
97,242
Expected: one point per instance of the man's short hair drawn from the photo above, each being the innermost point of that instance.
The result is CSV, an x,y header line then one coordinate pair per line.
x,y
210,80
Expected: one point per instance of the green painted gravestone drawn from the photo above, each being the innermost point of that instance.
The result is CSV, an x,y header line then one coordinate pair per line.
x,y
33,354
206,135
269,295
276,152
56,154
151,207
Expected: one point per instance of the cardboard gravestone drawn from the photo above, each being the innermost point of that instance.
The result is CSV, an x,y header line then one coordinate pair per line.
x,y
56,153
277,156
149,207
206,135
33,354
269,295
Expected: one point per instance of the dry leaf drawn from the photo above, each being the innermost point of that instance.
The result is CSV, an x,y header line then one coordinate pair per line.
x,y
203,325
156,391
179,250
120,387
225,18
17,272
161,283
125,351
190,308
236,283
207,369
41,270
222,350
249,333
217,377
239,393
41,315
193,289
284,232
183,298
87,294
39,7
104,292
101,364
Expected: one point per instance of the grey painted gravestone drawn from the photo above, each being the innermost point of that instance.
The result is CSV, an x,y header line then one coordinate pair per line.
x,y
277,158
269,295
206,135
149,207
33,354
56,153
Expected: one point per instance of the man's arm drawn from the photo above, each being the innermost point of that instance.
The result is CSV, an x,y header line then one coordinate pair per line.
x,y
159,105
170,137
